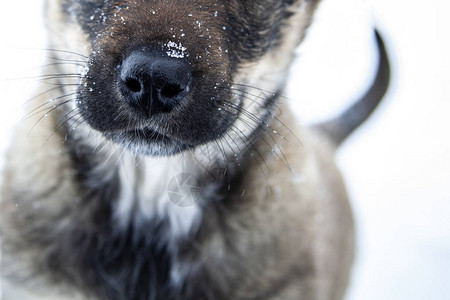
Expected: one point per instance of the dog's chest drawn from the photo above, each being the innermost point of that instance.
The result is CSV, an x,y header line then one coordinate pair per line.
x,y
147,248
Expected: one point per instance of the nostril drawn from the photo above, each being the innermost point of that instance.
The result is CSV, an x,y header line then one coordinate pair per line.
x,y
133,85
152,82
171,91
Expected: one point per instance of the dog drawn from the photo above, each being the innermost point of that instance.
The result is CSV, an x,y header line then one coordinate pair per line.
x,y
159,160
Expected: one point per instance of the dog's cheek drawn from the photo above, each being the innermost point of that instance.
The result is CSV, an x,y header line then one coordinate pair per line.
x,y
253,28
257,27
89,14
261,78
99,99
204,119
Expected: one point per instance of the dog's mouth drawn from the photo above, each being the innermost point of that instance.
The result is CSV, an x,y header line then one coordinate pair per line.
x,y
148,142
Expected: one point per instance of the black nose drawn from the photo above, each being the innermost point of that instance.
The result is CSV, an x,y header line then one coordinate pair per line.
x,y
154,83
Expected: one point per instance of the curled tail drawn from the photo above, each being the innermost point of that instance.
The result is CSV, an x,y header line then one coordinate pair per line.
x,y
341,127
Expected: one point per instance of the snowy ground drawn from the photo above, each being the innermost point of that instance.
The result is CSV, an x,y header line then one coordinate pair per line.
x,y
397,167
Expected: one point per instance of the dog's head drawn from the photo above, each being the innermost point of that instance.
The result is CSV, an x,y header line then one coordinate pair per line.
x,y
162,76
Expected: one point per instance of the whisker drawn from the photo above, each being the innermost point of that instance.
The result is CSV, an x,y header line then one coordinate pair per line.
x,y
275,118
222,151
59,84
61,125
65,51
235,155
66,118
67,61
46,115
73,128
104,145
249,143
252,150
33,111
253,118
47,111
275,146
111,154
124,149
247,95
261,90
47,77
62,63
41,94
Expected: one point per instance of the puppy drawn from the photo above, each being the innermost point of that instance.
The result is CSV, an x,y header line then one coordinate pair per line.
x,y
158,160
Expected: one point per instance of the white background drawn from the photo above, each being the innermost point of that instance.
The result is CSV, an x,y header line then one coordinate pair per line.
x,y
397,166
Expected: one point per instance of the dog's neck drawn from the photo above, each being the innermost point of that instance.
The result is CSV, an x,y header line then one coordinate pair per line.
x,y
150,191
145,193
172,188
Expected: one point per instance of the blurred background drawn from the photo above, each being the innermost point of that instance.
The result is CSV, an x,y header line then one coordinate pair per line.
x,y
397,166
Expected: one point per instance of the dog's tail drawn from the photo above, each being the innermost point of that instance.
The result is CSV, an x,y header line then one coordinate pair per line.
x,y
341,127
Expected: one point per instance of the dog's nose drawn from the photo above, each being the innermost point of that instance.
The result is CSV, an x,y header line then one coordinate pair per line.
x,y
154,83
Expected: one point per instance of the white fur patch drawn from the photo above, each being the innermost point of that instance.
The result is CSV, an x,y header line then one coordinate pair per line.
x,y
154,194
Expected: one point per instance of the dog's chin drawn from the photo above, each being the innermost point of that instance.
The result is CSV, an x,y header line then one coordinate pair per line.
x,y
148,142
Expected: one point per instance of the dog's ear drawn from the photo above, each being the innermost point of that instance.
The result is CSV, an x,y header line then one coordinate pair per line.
x,y
300,2
303,14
